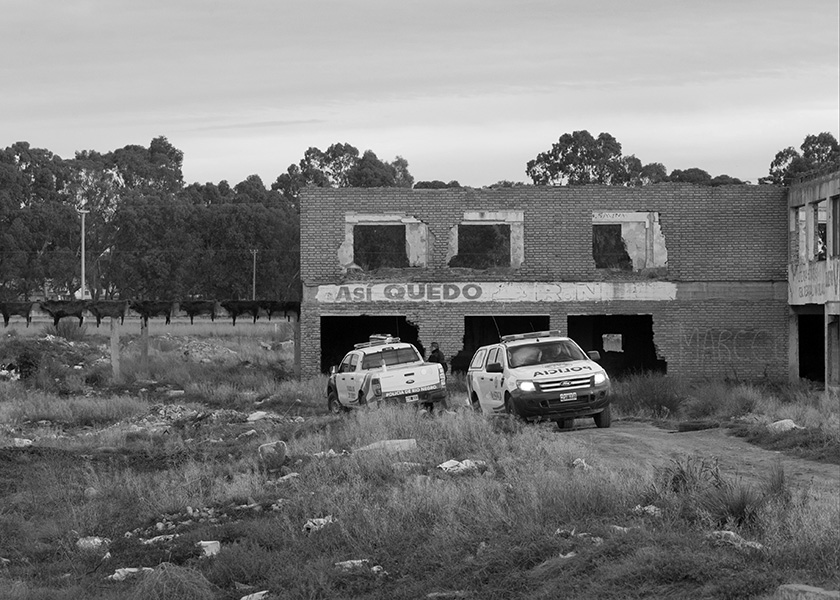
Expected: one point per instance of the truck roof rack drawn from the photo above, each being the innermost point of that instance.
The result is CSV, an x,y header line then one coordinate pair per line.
x,y
377,339
531,336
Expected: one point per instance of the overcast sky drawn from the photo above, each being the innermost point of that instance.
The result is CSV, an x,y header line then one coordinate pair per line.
x,y
463,89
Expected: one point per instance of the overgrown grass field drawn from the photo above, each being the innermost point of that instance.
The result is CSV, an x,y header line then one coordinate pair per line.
x,y
524,522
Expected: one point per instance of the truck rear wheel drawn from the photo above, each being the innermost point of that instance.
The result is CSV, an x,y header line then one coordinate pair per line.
x,y
333,405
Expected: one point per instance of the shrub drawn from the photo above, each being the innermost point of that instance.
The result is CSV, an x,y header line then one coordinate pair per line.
x,y
456,383
67,329
732,504
171,582
649,394
27,362
689,475
720,400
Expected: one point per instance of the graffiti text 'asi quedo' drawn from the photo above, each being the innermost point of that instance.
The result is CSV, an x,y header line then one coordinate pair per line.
x,y
409,292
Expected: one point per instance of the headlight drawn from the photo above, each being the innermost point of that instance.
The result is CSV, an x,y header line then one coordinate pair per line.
x,y
526,386
599,378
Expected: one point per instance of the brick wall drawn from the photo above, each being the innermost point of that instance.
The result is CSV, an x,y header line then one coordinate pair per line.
x,y
728,234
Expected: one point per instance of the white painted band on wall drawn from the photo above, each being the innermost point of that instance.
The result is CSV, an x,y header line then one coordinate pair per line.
x,y
814,283
503,291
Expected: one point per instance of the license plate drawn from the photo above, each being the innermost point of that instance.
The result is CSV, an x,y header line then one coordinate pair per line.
x,y
412,398
568,396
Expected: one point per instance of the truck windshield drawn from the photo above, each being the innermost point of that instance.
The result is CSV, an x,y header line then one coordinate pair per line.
x,y
390,356
542,354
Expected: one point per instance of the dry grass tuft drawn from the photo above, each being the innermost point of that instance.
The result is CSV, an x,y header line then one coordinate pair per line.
x,y
171,582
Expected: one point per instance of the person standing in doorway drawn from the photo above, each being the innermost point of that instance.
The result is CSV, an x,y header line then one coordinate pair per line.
x,y
436,356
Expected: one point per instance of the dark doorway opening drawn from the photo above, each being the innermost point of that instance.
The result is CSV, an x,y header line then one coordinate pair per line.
x,y
812,346
486,329
624,341
339,334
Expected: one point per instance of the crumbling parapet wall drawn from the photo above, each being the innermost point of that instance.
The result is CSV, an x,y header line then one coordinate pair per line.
x,y
711,233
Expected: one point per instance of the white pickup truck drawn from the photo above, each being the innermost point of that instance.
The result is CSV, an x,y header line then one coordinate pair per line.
x,y
385,369
540,376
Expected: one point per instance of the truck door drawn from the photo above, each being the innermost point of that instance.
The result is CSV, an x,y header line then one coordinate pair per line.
x,y
347,377
494,380
490,383
474,373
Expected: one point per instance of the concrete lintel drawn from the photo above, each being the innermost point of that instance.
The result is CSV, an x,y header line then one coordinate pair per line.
x,y
497,216
383,218
611,216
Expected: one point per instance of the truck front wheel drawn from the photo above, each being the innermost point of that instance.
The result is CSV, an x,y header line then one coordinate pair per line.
x,y
603,418
510,408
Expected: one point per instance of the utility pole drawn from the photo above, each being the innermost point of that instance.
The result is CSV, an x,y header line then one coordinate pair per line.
x,y
254,280
83,213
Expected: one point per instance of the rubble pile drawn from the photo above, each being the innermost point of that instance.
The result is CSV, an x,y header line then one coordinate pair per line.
x,y
206,352
168,526
166,415
9,372
19,358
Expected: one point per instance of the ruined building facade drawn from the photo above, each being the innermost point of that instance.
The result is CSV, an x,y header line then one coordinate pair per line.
x,y
686,279
814,276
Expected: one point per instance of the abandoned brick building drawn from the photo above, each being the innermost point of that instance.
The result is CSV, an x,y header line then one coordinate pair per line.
x,y
680,278
814,279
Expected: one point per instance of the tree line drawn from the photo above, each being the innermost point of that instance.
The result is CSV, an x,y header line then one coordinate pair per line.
x,y
580,158
149,235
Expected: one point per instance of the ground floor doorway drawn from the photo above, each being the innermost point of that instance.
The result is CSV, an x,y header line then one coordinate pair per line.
x,y
811,340
339,334
480,330
625,342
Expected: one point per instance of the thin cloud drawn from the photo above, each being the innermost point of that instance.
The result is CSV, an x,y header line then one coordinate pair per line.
x,y
256,125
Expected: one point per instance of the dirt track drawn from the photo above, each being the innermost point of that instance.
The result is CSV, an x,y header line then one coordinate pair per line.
x,y
644,443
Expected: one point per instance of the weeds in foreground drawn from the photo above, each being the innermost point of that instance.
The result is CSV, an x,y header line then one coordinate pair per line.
x,y
493,530
32,405
695,488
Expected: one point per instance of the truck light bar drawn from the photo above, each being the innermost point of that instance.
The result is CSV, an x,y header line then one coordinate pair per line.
x,y
378,339
531,336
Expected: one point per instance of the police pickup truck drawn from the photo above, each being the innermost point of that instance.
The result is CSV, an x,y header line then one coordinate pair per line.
x,y
540,376
384,369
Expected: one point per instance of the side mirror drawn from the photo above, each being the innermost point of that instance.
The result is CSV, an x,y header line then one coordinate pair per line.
x,y
495,368
594,355
333,370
